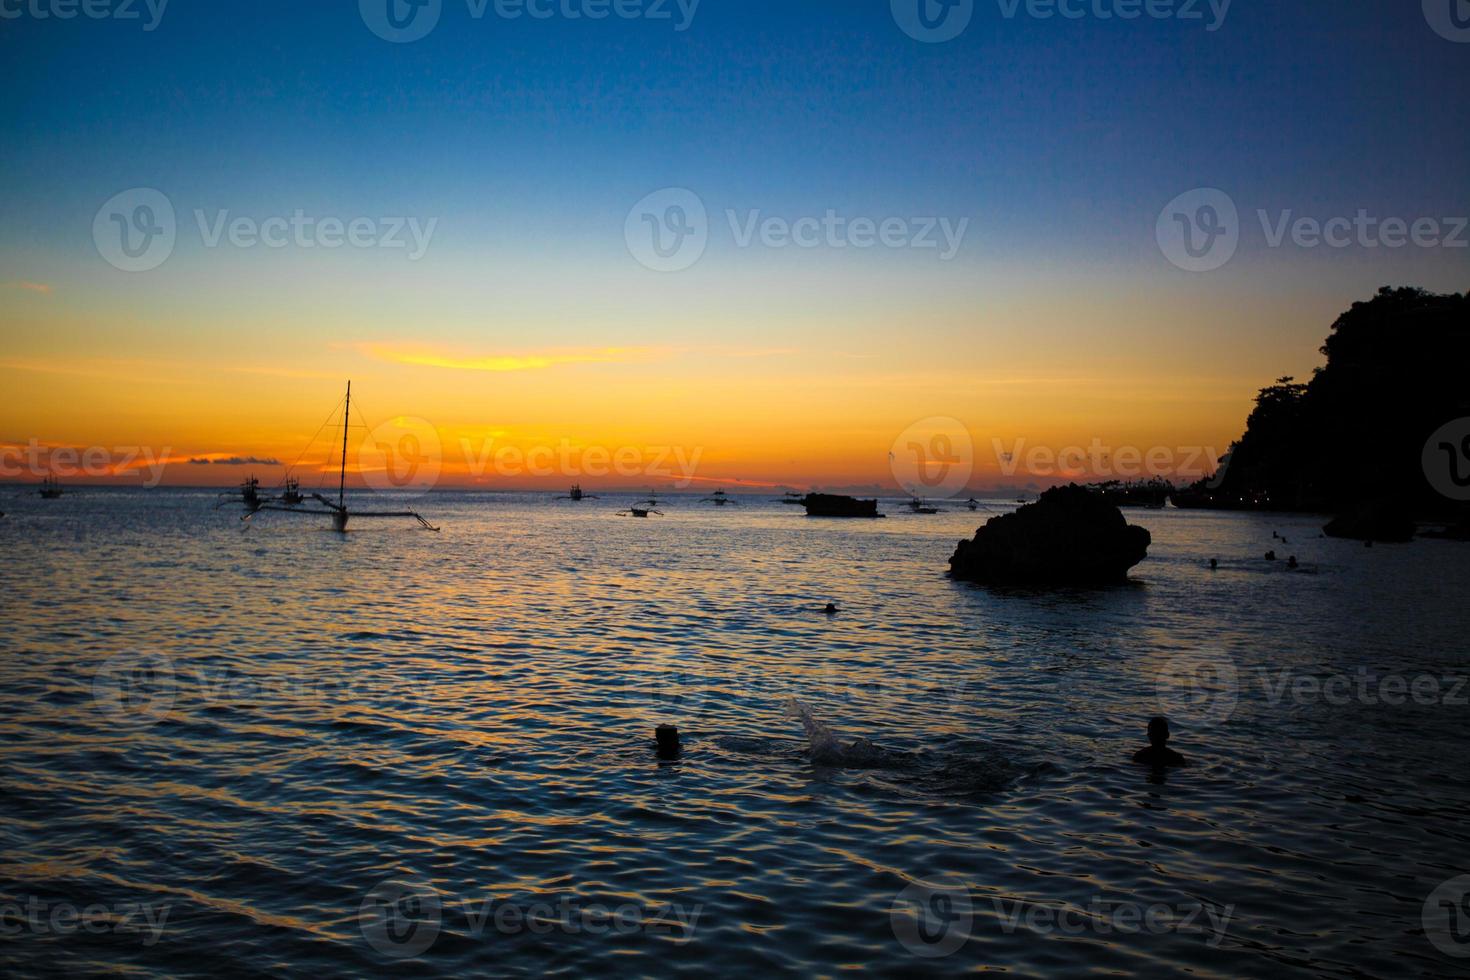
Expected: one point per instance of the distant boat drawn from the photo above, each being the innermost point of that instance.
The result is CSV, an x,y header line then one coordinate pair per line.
x,y
639,512
792,497
576,493
972,503
719,498
917,505
339,511
50,489
248,493
291,493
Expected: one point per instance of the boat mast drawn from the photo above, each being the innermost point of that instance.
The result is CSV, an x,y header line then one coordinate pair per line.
x,y
342,483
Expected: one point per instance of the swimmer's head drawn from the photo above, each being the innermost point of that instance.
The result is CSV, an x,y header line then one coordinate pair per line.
x,y
1158,731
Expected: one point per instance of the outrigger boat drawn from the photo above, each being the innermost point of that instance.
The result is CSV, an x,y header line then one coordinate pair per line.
x,y
50,489
248,493
291,493
577,494
917,505
339,511
636,511
719,498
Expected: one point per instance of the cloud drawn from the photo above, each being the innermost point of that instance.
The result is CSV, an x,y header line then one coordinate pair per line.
x,y
30,287
501,362
244,461
556,357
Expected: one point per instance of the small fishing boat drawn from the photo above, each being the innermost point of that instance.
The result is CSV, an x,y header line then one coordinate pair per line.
x,y
917,505
640,512
719,498
339,512
248,493
792,497
50,489
576,493
972,503
291,493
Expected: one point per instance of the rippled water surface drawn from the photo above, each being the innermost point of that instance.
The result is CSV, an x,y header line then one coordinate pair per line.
x,y
270,748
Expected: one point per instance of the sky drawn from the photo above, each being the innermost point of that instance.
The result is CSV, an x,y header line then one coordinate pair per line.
x,y
501,302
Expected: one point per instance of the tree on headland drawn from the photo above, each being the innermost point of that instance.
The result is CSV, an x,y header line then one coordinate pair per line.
x,y
1396,371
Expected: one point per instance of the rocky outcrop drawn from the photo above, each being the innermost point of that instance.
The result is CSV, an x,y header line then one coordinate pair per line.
x,y
835,505
1070,536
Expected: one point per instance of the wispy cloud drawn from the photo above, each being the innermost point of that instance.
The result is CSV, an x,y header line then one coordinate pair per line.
x,y
511,361
459,360
30,287
222,460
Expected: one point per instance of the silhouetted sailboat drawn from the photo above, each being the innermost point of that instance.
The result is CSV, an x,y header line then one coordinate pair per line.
x,y
291,493
50,489
719,498
339,511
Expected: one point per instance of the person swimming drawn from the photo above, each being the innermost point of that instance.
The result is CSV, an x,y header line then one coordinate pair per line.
x,y
1270,556
1291,562
831,609
1214,564
1158,752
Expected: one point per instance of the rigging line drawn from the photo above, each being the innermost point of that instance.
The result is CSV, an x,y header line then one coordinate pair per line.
x,y
314,438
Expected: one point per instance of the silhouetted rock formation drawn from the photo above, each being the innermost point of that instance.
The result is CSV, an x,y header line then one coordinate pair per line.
x,y
1071,536
1372,522
1354,435
835,505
